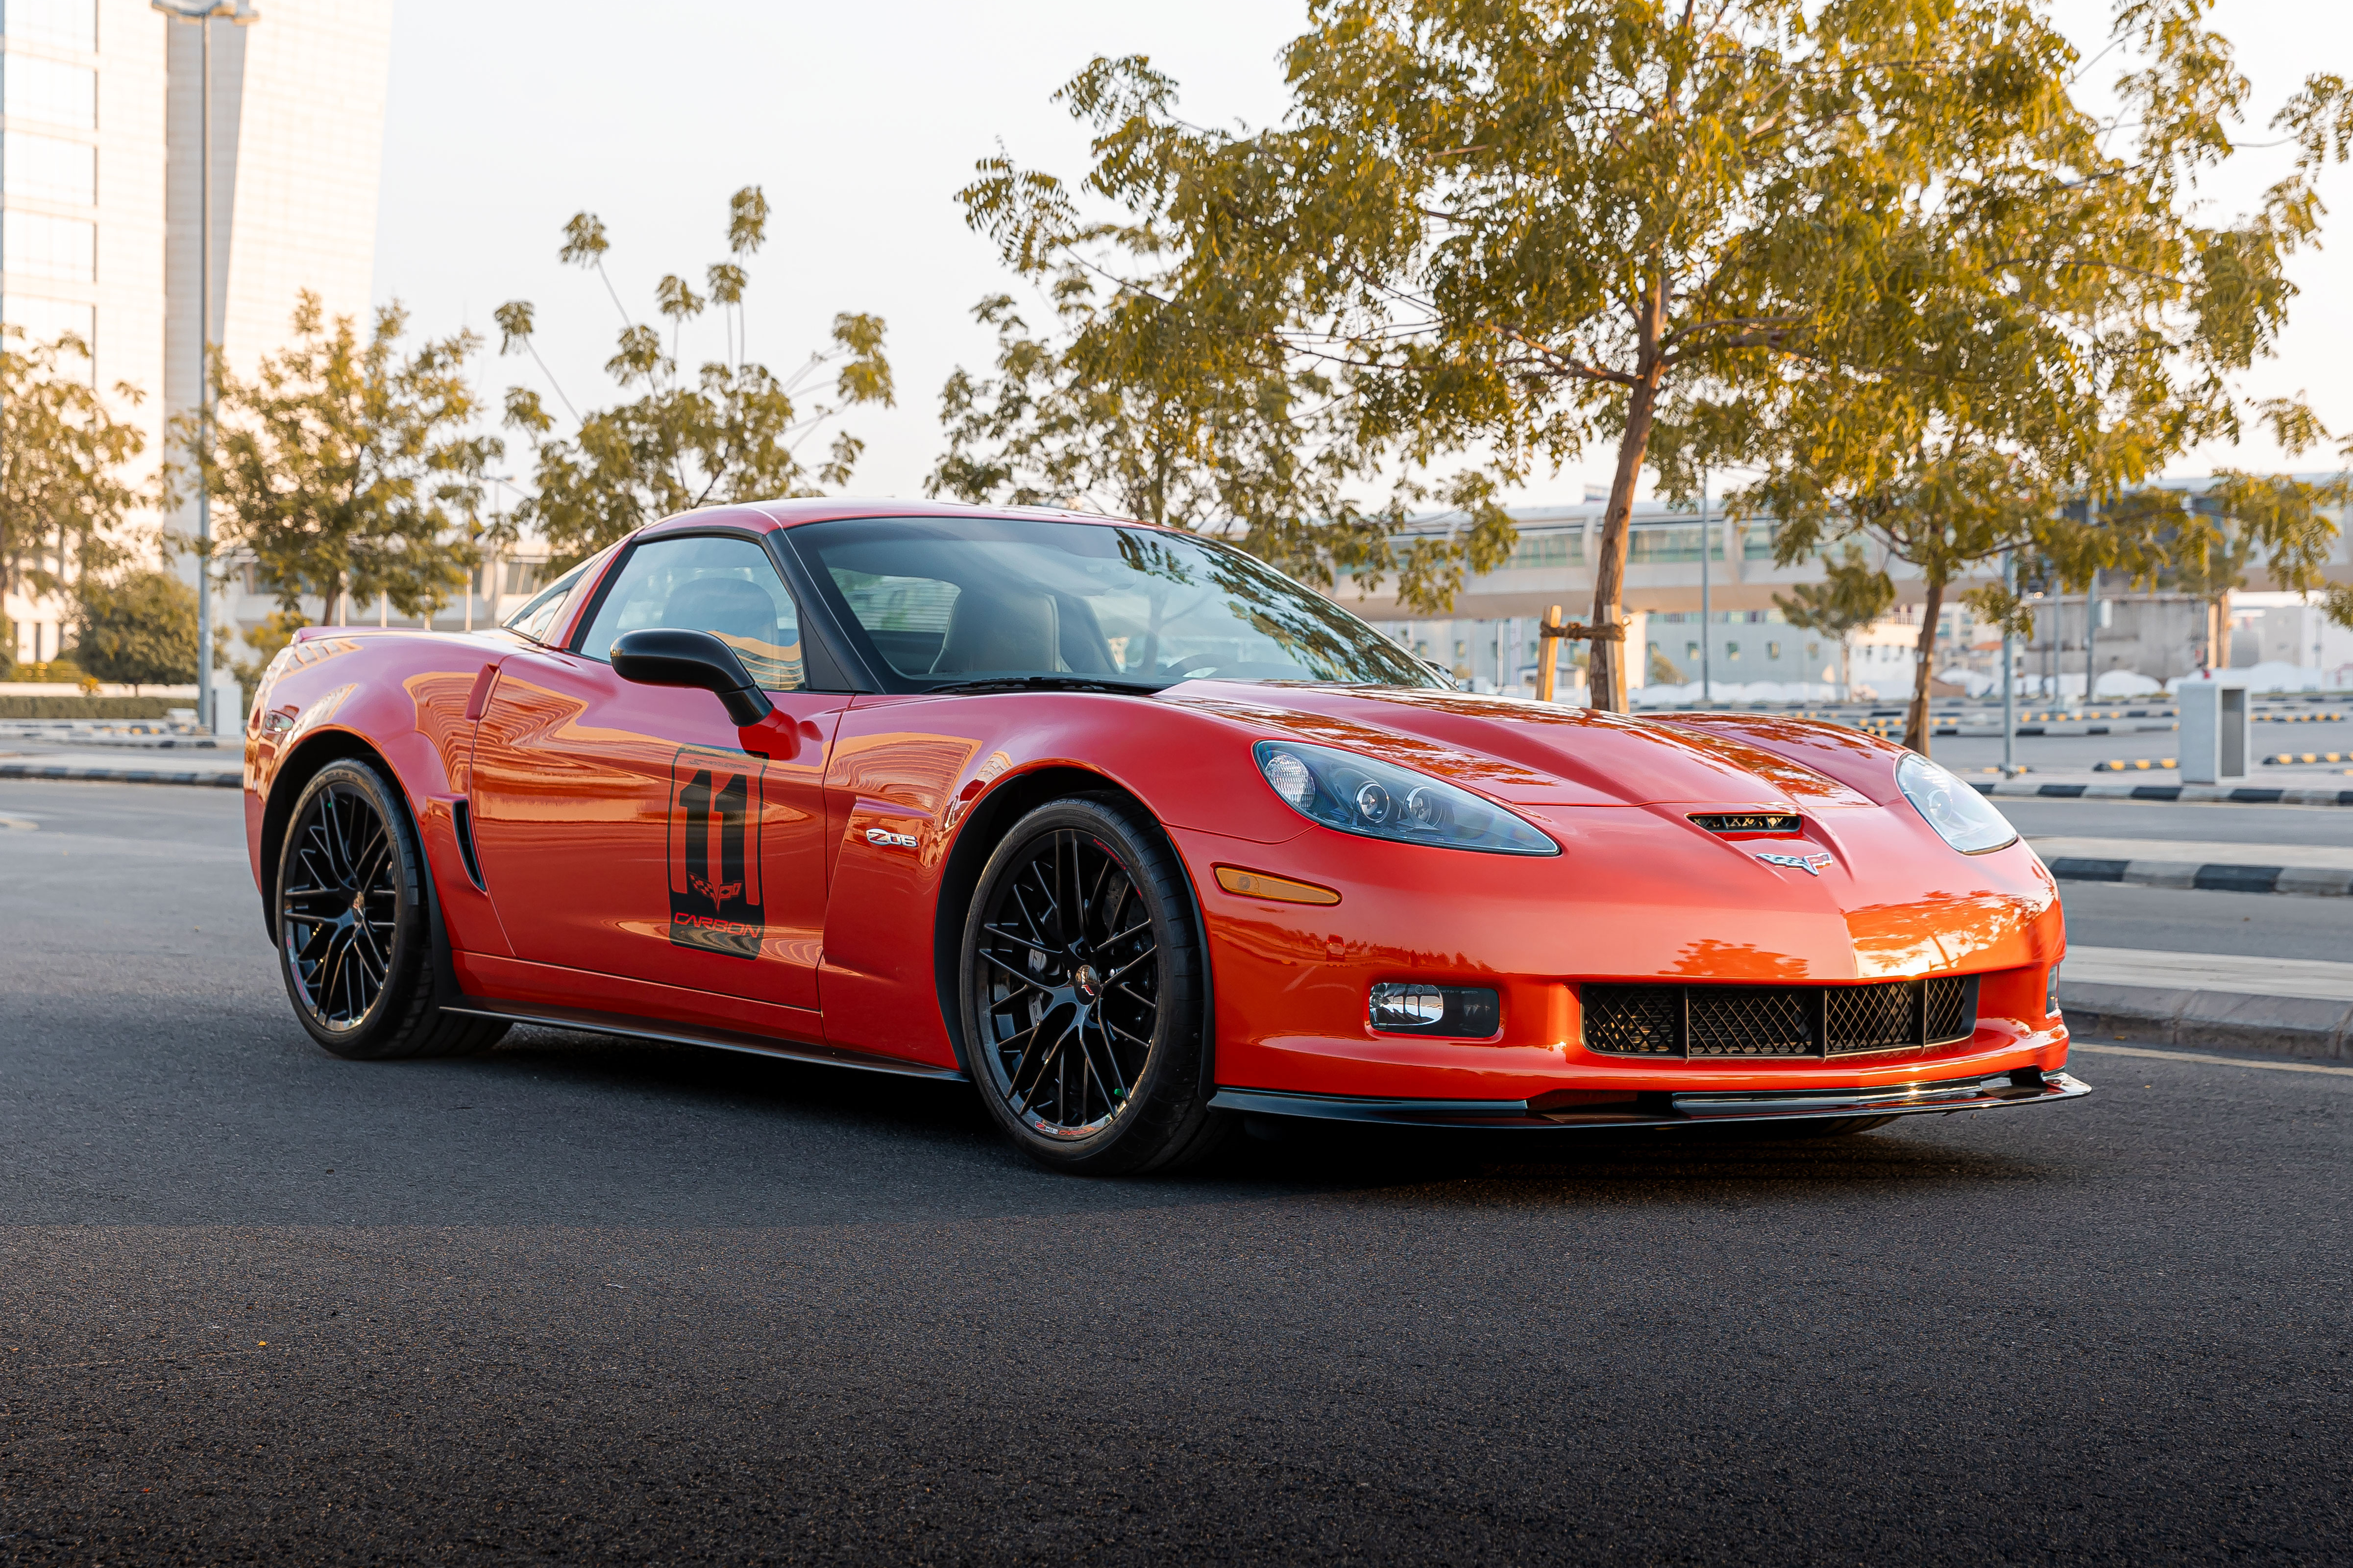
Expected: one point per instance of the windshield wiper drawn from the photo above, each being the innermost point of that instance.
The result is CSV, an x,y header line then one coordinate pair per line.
x,y
1048,683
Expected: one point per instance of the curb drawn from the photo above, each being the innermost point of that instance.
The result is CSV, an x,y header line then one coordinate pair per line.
x,y
2228,795
211,776
2276,1026
2306,881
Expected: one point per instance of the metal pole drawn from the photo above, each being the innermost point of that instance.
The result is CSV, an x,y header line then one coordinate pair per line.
x,y
1707,681
2009,678
204,717
2092,615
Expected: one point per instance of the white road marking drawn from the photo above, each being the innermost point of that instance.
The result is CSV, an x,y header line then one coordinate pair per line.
x,y
2214,1061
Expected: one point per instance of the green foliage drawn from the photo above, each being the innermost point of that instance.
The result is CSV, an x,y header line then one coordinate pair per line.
x,y
274,633
1872,245
140,631
1852,594
730,432
62,497
76,706
352,467
1112,417
2050,316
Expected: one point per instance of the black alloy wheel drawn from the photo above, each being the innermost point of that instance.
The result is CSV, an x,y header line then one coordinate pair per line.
x,y
1081,983
353,932
339,906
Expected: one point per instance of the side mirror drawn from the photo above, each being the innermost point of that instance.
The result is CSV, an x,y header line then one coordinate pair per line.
x,y
668,656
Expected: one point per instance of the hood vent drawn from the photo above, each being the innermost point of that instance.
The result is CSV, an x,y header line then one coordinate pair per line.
x,y
1748,821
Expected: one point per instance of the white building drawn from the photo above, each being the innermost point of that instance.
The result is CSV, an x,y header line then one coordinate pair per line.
x,y
1490,642
100,132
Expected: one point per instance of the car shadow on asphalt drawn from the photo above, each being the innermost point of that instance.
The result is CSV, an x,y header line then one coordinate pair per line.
x,y
919,1121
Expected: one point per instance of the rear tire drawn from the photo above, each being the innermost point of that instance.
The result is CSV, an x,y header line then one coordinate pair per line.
x,y
1084,988
354,932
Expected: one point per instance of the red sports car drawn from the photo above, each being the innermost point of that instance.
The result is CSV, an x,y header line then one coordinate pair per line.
x,y
1133,833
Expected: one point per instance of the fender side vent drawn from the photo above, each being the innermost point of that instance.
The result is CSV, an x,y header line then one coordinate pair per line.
x,y
464,815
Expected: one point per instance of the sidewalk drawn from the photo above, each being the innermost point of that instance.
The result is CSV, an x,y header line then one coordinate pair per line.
x,y
2310,869
2325,790
219,769
2291,1005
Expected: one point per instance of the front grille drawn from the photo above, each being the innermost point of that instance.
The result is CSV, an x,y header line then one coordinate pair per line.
x,y
1749,1020
1778,1020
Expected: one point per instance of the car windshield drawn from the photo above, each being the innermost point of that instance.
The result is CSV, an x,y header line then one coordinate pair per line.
x,y
955,600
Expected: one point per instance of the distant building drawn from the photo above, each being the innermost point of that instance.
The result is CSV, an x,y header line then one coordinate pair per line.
x,y
100,132
1490,642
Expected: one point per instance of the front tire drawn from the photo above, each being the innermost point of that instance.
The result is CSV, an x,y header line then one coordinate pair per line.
x,y
1083,986
355,934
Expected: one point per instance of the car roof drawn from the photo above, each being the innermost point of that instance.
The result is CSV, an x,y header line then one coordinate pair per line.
x,y
767,516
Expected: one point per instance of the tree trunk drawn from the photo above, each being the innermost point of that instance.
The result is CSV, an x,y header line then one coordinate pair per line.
x,y
1607,666
1923,660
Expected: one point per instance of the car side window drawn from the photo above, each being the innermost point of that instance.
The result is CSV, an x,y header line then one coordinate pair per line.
x,y
706,582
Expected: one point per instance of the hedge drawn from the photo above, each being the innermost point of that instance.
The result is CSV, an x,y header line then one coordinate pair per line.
x,y
91,707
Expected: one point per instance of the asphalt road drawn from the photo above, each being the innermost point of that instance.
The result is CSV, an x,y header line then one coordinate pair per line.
x,y
580,1301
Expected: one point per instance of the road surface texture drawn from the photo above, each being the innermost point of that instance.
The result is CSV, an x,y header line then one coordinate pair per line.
x,y
583,1299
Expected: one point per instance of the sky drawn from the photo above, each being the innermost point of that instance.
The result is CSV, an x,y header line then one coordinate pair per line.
x,y
861,122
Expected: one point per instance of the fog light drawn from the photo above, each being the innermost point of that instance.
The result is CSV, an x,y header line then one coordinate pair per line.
x,y
2051,995
1416,1007
1407,1006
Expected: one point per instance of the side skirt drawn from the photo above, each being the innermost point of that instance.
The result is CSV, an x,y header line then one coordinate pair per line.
x,y
689,1034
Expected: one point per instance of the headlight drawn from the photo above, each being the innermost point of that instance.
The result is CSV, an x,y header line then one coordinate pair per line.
x,y
1961,817
1380,800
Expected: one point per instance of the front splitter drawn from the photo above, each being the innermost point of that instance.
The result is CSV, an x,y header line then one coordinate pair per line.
x,y
1996,1091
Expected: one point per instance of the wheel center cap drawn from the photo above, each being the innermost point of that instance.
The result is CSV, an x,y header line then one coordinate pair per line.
x,y
1085,982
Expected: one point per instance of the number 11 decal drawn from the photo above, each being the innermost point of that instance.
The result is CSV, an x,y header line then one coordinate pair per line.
x,y
714,853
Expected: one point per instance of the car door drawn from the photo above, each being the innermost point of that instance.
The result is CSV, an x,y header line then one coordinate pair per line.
x,y
636,831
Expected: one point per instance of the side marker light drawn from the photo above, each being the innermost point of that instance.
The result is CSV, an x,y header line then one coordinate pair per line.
x,y
1282,890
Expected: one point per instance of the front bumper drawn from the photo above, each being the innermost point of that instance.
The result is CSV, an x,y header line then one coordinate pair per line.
x,y
2025,1086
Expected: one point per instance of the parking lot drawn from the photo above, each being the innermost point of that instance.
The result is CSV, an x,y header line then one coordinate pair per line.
x,y
605,1298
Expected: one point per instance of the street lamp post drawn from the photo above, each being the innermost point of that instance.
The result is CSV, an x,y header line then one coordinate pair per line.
x,y
1707,683
203,13
2092,615
2009,670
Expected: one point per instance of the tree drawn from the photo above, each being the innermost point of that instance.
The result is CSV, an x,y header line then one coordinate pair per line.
x,y
1850,596
730,434
63,500
141,631
2210,544
275,630
1115,417
1517,228
2054,320
349,468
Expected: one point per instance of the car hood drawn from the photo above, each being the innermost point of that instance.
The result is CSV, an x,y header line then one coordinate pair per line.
x,y
1872,891
1525,753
